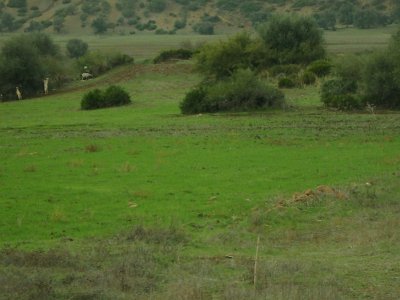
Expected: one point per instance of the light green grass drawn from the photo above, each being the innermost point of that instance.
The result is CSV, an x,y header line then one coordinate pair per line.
x,y
168,164
81,184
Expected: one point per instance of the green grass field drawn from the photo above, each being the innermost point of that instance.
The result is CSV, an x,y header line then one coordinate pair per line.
x,y
141,202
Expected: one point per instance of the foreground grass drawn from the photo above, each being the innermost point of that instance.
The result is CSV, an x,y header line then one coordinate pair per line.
x,y
142,200
323,247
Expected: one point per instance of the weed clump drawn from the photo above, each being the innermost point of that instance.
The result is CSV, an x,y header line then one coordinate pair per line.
x,y
112,96
308,78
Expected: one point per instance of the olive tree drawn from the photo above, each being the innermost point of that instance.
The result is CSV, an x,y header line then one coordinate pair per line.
x,y
25,60
293,39
76,48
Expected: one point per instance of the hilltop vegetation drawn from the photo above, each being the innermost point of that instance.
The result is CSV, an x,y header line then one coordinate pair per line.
x,y
171,16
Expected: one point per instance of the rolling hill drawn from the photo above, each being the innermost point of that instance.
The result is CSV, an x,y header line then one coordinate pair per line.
x,y
170,16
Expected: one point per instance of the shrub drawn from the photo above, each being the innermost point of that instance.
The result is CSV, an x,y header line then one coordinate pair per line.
x,y
157,6
380,81
112,96
179,24
339,93
99,62
221,59
293,39
76,48
25,60
241,92
286,82
116,96
92,100
194,101
321,68
308,78
205,28
173,54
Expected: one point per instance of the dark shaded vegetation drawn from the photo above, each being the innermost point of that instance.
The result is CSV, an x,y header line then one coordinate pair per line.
x,y
240,92
76,48
174,54
292,40
99,62
25,61
368,80
112,96
283,47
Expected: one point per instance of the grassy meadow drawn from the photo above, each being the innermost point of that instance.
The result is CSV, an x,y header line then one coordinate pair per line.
x,y
141,202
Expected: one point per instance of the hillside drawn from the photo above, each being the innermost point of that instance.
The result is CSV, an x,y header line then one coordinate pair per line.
x,y
171,16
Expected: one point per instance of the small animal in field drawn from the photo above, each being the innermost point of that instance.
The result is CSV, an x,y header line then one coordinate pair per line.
x,y
46,85
18,92
86,76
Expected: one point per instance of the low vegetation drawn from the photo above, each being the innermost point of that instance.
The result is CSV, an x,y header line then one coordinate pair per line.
x,y
370,80
112,96
174,54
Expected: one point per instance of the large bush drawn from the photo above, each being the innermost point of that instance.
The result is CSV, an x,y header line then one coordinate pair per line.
x,y
241,92
25,61
220,60
99,62
293,39
381,81
112,96
76,48
341,94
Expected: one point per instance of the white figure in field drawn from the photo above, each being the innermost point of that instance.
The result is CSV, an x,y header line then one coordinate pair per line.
x,y
86,76
18,92
46,85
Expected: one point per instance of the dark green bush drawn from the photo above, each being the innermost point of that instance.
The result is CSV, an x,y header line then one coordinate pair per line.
x,y
286,82
112,96
293,39
381,80
157,6
219,60
116,96
339,93
321,68
179,24
92,100
241,92
173,54
76,48
204,27
194,101
99,62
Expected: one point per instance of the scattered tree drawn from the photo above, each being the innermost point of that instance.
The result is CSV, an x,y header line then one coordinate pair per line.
x,y
100,25
293,39
76,48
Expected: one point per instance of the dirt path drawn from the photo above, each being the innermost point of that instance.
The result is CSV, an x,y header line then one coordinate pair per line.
x,y
128,73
